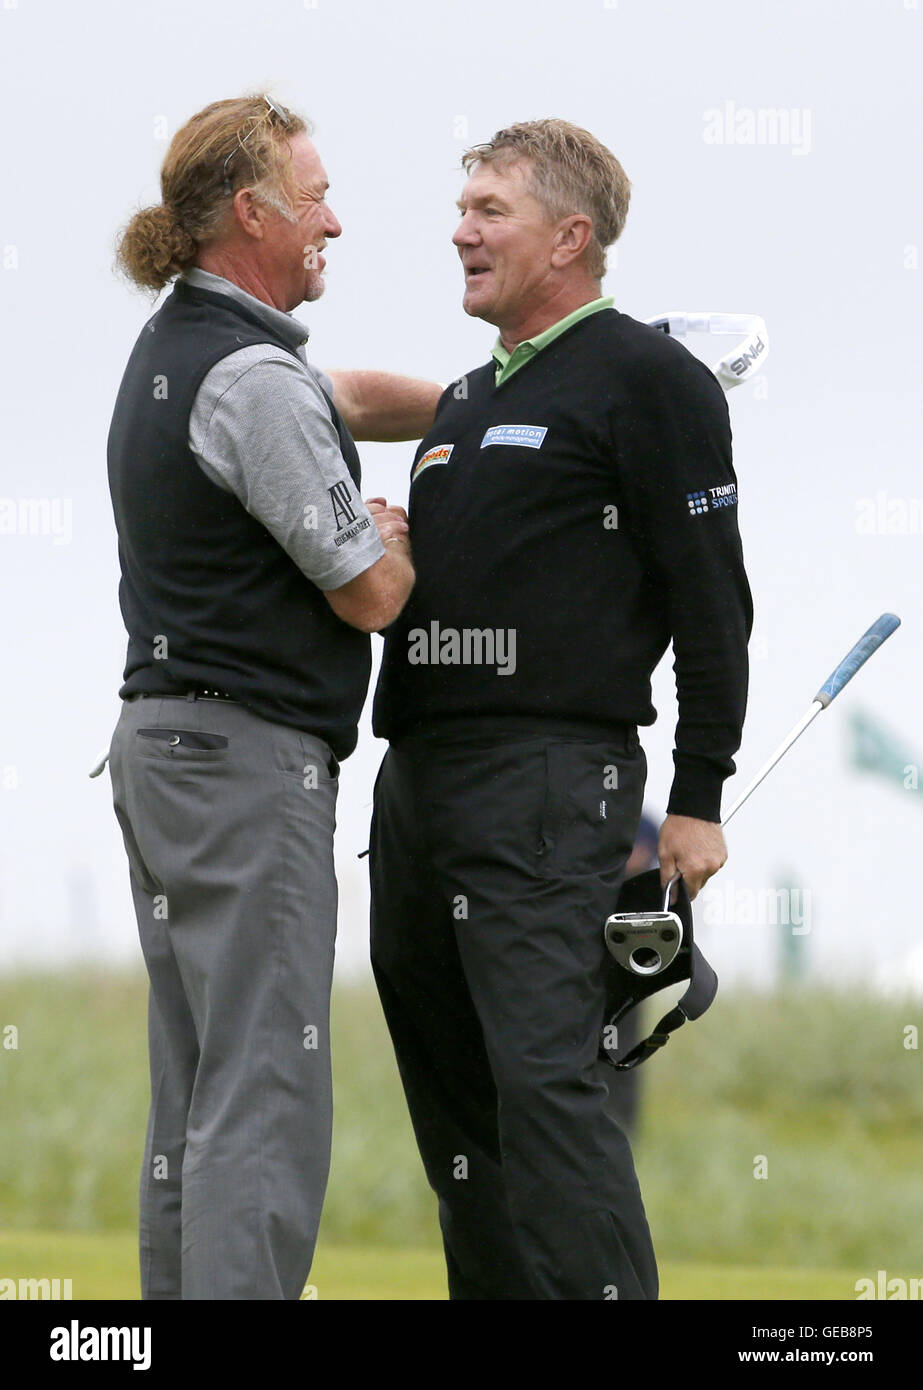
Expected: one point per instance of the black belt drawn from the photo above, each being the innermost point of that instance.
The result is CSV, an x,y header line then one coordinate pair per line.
x,y
477,727
199,692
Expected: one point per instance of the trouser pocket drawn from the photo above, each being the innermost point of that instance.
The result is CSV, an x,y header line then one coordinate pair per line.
x,y
593,795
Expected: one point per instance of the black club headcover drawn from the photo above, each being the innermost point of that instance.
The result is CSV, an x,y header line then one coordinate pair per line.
x,y
650,946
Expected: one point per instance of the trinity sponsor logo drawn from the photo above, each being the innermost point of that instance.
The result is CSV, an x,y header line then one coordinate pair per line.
x,y
76,1343
526,436
711,498
468,646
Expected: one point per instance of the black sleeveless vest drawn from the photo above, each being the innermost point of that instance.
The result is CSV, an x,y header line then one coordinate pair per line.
x,y
207,595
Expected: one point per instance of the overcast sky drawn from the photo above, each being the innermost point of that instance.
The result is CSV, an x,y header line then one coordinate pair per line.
x,y
820,231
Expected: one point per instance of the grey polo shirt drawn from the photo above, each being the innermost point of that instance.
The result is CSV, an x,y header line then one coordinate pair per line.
x,y
261,429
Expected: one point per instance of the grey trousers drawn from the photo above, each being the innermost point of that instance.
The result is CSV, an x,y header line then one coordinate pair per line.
x,y
228,824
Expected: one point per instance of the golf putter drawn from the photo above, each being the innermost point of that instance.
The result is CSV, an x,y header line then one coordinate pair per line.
x,y
645,942
651,949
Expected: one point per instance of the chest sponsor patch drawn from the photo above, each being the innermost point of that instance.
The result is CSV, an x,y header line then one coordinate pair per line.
x,y
526,436
438,454
709,499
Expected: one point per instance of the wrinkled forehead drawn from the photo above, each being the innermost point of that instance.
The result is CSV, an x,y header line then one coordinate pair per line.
x,y
507,176
306,162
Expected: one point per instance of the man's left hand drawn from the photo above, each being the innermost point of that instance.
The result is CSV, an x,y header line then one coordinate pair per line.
x,y
693,848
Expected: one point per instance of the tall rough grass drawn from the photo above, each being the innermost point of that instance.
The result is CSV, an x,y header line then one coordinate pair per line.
x,y
818,1090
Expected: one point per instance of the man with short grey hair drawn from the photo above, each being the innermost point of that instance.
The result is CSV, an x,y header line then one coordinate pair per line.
x,y
560,501
252,576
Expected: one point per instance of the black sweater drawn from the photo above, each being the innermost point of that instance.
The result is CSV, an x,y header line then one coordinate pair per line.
x,y
615,532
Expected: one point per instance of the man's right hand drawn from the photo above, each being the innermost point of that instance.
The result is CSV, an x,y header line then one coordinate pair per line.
x,y
691,847
391,521
373,600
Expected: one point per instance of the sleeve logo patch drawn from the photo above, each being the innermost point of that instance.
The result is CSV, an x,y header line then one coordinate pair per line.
x,y
526,436
341,500
710,498
353,531
439,454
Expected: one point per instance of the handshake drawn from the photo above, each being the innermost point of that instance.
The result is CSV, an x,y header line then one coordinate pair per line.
x,y
391,521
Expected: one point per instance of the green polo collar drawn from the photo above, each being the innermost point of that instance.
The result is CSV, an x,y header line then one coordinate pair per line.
x,y
510,362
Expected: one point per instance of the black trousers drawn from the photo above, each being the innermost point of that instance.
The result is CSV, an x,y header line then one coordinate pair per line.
x,y
494,863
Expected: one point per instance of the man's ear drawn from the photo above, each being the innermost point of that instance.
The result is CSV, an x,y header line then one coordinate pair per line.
x,y
572,238
249,213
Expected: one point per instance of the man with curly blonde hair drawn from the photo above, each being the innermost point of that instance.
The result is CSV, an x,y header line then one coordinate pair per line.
x,y
252,575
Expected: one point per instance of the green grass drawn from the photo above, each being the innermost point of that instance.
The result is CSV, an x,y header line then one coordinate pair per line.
x,y
105,1267
820,1083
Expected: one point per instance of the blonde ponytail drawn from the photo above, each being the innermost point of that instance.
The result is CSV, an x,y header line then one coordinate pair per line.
x,y
154,248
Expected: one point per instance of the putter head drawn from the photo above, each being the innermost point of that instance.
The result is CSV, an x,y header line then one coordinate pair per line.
x,y
648,939
650,946
645,942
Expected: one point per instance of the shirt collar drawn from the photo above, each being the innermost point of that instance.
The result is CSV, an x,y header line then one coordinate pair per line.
x,y
289,328
527,349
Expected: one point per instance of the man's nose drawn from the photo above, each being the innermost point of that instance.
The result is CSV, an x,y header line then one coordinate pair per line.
x,y
464,233
332,225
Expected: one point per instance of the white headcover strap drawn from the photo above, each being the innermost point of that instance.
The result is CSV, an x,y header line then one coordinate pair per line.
x,y
743,361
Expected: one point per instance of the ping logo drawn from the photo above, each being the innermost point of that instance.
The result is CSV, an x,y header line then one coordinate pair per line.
x,y
438,454
742,364
341,501
526,436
